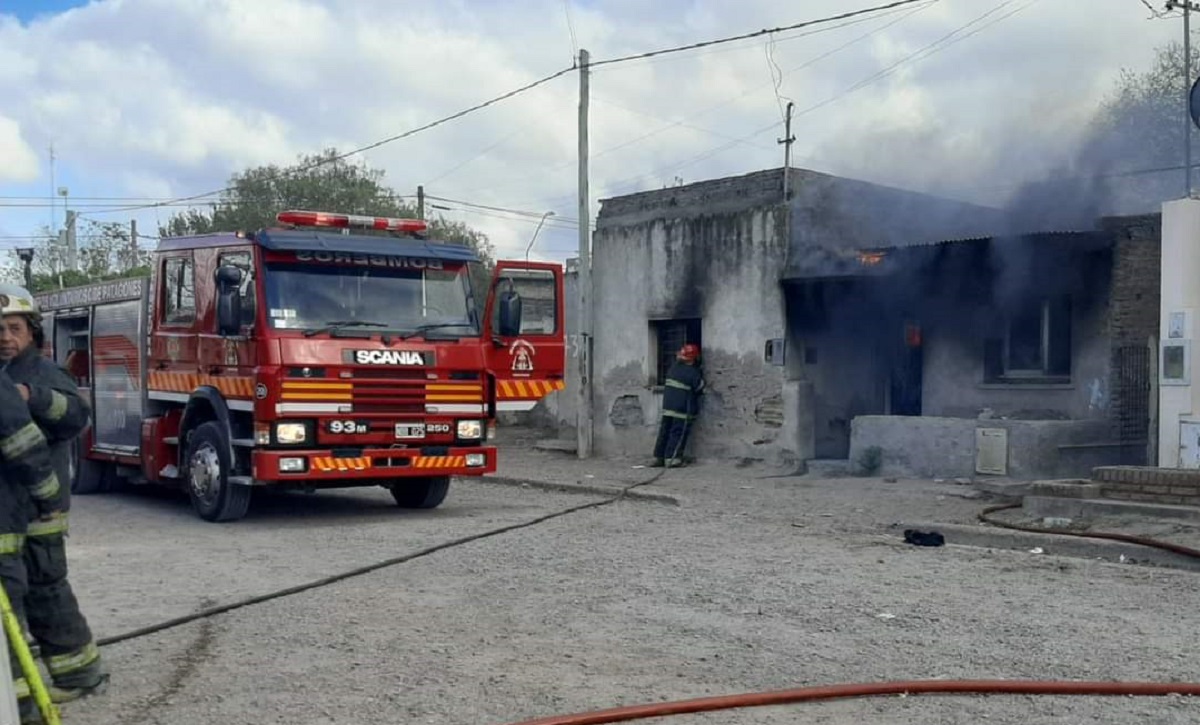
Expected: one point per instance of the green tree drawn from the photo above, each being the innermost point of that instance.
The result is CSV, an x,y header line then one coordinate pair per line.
x,y
320,182
1140,126
103,253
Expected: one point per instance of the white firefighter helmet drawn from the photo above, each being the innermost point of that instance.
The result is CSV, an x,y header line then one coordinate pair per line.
x,y
16,300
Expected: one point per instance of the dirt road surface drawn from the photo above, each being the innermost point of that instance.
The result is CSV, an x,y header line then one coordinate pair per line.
x,y
748,583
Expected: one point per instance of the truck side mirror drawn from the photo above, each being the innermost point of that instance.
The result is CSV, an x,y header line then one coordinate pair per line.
x,y
229,300
509,324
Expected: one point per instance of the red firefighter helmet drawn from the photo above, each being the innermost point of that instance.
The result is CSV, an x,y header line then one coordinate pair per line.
x,y
689,352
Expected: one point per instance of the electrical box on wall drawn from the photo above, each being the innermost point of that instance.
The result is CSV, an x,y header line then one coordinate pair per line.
x,y
1189,444
1176,356
773,354
991,451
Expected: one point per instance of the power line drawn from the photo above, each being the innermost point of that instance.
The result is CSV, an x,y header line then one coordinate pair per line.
x,y
726,102
756,34
857,86
368,147
522,89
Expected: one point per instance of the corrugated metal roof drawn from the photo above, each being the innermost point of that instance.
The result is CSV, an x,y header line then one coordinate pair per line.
x,y
1059,234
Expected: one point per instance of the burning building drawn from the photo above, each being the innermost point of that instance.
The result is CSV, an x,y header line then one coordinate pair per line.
x,y
854,321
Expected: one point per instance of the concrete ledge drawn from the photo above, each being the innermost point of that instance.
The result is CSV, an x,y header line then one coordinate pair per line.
x,y
992,537
587,488
1074,508
1011,491
557,445
1065,488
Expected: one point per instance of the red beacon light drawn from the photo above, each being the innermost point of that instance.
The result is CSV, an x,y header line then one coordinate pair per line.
x,y
351,221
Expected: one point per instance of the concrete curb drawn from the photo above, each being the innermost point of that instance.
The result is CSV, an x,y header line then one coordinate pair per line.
x,y
591,488
985,536
1087,508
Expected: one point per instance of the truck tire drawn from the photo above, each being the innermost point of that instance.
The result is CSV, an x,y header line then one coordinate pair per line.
x,y
88,476
420,493
207,468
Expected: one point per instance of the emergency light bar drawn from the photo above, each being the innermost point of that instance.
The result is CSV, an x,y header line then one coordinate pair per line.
x,y
347,221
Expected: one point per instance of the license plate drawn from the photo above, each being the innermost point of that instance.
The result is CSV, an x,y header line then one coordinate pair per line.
x,y
410,430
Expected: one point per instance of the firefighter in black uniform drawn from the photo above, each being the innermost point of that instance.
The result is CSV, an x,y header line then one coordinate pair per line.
x,y
681,405
58,627
28,486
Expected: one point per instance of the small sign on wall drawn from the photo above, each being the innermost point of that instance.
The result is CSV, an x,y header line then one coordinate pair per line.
x,y
991,451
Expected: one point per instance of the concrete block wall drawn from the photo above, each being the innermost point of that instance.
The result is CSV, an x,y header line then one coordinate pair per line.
x,y
930,447
1149,485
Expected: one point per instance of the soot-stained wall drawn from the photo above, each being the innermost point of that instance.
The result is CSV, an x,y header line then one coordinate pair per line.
x,y
714,251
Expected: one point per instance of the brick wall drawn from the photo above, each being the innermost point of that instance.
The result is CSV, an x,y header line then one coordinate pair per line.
x,y
1149,485
1133,316
1132,323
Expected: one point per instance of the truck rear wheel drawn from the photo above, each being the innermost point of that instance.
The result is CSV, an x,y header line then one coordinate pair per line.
x,y
207,470
420,493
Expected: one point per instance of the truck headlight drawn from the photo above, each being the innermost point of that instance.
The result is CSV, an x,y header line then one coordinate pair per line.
x,y
291,433
470,429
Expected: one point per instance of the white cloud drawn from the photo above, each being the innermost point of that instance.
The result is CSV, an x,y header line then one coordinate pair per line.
x,y
20,162
169,97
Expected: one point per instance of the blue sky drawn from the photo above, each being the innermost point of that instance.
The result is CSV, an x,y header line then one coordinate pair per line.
x,y
149,100
27,10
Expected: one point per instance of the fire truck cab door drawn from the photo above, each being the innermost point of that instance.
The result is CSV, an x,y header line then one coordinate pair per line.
x,y
524,319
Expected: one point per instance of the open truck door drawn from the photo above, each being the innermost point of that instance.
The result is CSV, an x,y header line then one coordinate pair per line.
x,y
525,320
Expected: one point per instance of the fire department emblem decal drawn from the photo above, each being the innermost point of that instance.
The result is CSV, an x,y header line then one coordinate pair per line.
x,y
522,356
173,348
231,353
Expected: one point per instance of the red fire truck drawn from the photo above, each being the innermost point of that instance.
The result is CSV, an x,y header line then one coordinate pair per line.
x,y
304,356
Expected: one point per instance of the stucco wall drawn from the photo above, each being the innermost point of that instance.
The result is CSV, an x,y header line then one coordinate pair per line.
x,y
945,447
722,268
953,374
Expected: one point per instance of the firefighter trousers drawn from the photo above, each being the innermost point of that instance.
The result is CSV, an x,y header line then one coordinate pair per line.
x,y
52,612
672,439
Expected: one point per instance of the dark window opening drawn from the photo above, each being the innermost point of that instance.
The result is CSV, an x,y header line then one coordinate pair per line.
x,y
670,335
1033,344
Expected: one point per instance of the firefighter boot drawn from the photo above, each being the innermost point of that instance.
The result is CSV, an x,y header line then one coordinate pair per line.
x,y
29,712
85,682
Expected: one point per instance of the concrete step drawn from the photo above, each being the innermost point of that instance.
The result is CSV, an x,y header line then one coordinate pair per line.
x,y
557,444
1090,508
828,468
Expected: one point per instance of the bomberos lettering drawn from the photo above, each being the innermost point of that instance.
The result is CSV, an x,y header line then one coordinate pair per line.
x,y
369,260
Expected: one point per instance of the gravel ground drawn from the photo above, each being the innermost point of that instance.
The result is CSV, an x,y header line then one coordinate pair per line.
x,y
749,583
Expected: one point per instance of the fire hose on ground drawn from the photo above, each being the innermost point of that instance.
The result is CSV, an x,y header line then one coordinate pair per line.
x,y
910,687
766,698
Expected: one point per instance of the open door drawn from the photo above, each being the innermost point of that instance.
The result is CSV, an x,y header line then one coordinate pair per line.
x,y
525,320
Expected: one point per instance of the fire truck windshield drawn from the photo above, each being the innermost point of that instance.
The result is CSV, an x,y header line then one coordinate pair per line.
x,y
305,296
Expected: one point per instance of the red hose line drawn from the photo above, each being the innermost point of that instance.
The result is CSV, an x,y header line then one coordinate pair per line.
x,y
870,689
1127,538
913,687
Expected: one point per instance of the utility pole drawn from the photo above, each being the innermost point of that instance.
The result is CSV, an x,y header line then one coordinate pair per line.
x,y
133,244
787,140
420,202
72,245
583,425
1187,6
53,204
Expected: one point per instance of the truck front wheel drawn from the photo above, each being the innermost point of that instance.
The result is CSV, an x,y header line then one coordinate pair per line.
x,y
420,493
207,472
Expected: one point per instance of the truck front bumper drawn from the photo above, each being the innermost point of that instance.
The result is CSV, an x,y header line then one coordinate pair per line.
x,y
287,466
